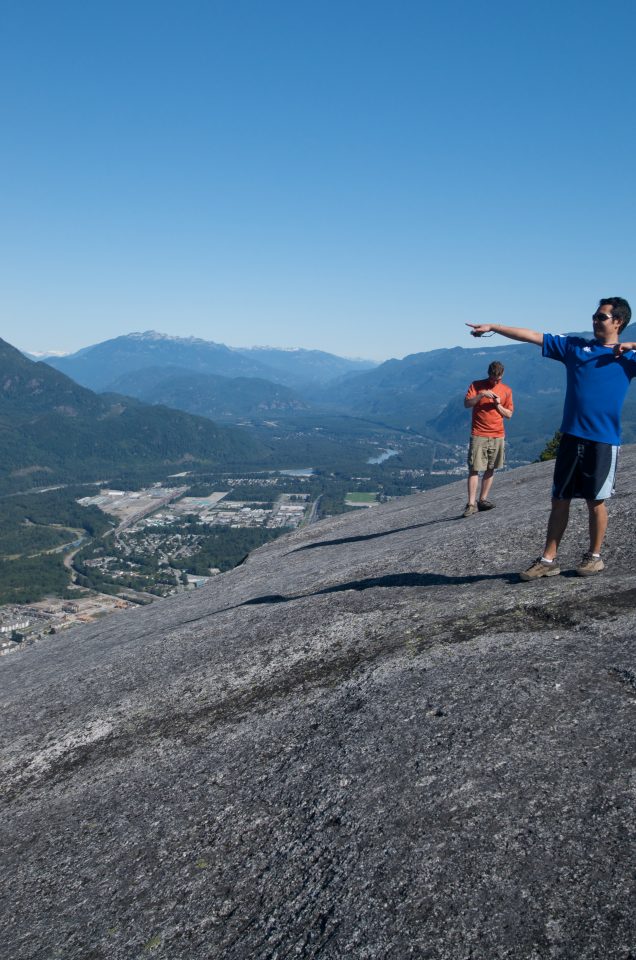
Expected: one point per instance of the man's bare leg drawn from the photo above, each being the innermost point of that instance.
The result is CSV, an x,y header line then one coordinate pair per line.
x,y
557,523
598,523
473,483
486,484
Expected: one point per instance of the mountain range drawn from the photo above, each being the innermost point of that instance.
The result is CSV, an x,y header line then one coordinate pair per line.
x,y
100,366
422,392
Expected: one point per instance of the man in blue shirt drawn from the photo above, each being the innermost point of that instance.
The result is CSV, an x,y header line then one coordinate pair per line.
x,y
599,372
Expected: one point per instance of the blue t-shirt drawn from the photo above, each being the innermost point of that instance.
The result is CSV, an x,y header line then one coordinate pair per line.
x,y
597,383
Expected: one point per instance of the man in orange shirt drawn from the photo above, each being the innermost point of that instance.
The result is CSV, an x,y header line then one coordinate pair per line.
x,y
491,403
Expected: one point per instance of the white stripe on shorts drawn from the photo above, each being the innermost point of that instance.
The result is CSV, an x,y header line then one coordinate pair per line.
x,y
607,489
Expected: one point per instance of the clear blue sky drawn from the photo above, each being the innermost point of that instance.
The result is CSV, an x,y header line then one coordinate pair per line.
x,y
360,177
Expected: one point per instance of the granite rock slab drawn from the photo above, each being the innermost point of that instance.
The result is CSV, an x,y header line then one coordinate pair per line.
x,y
369,741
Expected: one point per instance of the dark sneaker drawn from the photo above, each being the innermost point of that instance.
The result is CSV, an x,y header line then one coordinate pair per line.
x,y
484,505
590,565
469,510
541,568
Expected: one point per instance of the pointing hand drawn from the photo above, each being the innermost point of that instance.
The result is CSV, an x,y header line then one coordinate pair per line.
x,y
479,329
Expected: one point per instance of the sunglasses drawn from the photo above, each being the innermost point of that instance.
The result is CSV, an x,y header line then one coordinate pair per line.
x,y
601,316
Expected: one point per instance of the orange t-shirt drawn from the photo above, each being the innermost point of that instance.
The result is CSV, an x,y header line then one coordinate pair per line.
x,y
487,422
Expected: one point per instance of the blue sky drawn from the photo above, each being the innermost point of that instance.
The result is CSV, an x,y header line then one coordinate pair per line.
x,y
360,177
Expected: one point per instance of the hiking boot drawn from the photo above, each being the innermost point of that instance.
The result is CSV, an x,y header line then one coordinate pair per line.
x,y
469,510
485,505
541,568
590,565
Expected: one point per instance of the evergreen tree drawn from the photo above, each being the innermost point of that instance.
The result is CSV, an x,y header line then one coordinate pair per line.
x,y
551,448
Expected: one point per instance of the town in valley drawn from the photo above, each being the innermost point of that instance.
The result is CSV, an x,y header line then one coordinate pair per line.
x,y
173,535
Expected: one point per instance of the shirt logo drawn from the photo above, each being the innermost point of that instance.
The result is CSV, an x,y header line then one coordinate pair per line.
x,y
587,349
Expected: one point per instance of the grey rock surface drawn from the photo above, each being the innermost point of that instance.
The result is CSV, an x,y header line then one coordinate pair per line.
x,y
369,741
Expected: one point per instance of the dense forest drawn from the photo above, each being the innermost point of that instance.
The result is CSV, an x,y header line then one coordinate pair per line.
x,y
33,524
223,549
28,579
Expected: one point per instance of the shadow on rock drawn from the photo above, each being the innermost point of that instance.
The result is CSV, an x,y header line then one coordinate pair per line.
x,y
371,536
389,581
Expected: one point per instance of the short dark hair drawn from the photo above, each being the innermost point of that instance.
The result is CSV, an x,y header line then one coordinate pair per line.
x,y
621,310
496,369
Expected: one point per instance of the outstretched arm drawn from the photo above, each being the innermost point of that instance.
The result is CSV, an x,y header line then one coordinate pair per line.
x,y
513,333
623,348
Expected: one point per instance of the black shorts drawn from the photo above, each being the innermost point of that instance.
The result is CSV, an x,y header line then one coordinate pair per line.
x,y
584,469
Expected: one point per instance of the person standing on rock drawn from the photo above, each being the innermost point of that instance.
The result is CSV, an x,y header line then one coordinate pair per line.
x,y
599,372
491,403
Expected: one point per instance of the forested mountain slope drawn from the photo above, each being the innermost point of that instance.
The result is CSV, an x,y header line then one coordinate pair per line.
x,y
210,395
52,430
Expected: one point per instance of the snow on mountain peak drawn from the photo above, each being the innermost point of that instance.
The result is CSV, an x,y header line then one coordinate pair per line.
x,y
150,335
279,349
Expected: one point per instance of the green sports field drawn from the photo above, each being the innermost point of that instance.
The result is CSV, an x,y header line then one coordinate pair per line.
x,y
360,499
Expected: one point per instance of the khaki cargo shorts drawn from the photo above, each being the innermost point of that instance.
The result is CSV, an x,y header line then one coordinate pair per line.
x,y
486,453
